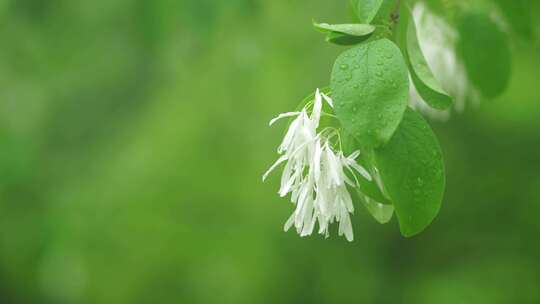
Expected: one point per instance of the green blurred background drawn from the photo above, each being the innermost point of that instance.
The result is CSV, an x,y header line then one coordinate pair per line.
x,y
133,136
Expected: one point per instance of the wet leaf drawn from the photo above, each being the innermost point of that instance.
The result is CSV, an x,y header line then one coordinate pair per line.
x,y
370,88
412,171
345,34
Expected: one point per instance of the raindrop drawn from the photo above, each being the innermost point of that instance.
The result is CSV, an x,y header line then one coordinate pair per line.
x,y
344,66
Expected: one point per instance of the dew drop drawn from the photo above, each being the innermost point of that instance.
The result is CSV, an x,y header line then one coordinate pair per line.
x,y
344,66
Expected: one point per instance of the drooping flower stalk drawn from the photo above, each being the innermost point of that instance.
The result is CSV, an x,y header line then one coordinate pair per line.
x,y
316,172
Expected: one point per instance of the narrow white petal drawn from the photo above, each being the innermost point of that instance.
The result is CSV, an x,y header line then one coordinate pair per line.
x,y
277,163
283,115
354,155
303,200
308,218
349,181
317,160
347,229
345,226
285,189
360,170
309,226
346,199
317,107
287,173
289,137
328,99
295,194
333,165
289,223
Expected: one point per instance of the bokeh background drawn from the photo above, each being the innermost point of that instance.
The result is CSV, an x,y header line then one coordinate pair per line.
x,y
133,136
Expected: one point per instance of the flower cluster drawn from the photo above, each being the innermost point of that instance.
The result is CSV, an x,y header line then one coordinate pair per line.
x,y
316,173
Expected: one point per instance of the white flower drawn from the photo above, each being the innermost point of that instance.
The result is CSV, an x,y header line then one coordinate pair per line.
x,y
315,174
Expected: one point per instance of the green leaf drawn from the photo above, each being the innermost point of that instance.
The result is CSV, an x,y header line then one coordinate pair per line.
x,y
366,10
385,10
345,34
370,88
344,39
486,53
424,81
373,11
349,29
412,171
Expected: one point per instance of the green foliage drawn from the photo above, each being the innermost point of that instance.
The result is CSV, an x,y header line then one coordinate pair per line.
x,y
412,171
370,89
349,29
486,53
373,11
366,10
345,34
344,39
427,86
383,15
